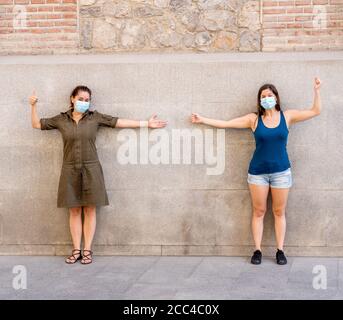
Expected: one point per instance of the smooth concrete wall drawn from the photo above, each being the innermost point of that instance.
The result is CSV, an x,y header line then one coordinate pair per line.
x,y
171,209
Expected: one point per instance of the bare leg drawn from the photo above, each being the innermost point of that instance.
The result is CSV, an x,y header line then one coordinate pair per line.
x,y
75,223
279,200
259,195
89,226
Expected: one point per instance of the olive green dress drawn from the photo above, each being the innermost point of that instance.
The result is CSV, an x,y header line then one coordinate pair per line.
x,y
82,179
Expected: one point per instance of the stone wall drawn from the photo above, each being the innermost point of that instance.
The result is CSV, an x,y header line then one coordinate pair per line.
x,y
168,209
175,25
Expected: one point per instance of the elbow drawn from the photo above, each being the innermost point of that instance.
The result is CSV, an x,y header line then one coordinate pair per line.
x,y
316,111
36,125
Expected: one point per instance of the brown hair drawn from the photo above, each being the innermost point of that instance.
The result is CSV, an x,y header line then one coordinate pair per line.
x,y
75,92
260,109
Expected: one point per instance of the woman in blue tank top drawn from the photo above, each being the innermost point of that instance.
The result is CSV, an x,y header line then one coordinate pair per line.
x,y
269,167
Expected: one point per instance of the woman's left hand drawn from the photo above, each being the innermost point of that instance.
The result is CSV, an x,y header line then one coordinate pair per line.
x,y
156,123
317,83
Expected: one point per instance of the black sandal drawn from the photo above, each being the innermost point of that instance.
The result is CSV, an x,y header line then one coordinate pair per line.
x,y
73,258
87,258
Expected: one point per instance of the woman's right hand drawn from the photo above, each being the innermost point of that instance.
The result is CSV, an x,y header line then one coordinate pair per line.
x,y
33,99
317,83
196,118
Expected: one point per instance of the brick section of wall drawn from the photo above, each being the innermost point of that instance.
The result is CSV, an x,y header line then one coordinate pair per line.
x,y
302,25
52,26
38,26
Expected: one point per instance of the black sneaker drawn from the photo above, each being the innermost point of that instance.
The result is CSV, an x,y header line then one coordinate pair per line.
x,y
280,257
257,257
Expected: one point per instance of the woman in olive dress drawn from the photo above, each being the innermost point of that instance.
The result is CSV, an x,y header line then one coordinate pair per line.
x,y
81,185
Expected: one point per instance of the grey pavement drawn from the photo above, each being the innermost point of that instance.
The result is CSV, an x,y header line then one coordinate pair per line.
x,y
170,277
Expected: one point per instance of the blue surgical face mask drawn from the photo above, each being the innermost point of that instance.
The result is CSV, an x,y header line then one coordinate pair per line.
x,y
268,102
81,106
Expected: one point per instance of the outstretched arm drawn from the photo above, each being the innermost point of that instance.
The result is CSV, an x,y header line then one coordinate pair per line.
x,y
302,115
35,121
243,122
153,122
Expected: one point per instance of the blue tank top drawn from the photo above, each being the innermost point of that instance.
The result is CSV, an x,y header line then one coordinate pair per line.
x,y
271,148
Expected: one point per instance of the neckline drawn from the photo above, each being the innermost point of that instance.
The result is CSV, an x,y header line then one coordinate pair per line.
x,y
272,127
70,113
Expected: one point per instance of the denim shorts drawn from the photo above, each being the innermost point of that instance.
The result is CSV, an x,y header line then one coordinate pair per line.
x,y
282,179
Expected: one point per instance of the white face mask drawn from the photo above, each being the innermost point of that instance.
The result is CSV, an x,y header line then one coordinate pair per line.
x,y
81,106
268,102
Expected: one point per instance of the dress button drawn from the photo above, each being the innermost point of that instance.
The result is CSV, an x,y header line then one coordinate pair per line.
x,y
78,165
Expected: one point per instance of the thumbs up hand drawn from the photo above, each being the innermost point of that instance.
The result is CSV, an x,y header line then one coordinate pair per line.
x,y
317,83
33,99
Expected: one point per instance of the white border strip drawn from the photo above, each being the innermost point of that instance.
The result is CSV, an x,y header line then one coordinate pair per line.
x,y
172,58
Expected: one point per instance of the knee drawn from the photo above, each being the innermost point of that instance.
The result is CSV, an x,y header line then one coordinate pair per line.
x,y
279,212
259,212
89,210
76,211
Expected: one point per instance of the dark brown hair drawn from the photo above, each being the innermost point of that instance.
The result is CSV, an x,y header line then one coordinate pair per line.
x,y
75,92
260,109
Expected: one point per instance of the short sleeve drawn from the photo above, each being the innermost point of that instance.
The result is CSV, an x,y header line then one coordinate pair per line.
x,y
50,123
106,120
